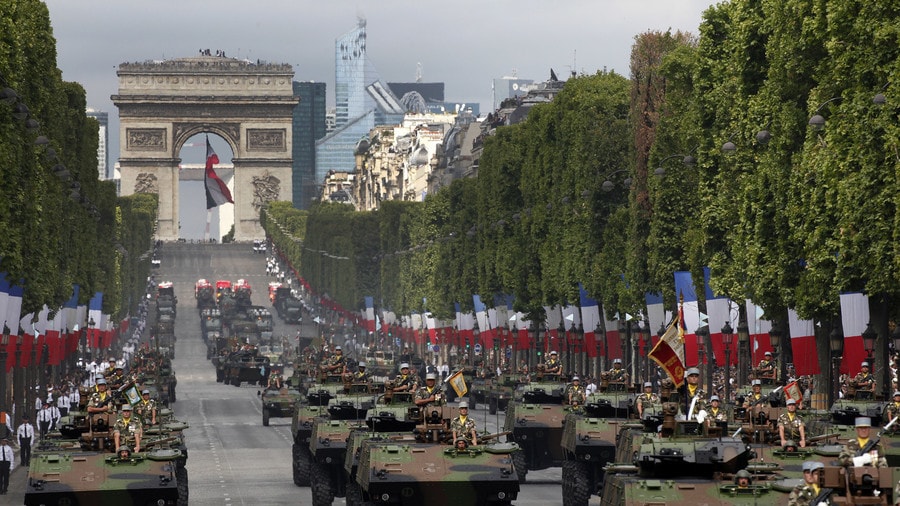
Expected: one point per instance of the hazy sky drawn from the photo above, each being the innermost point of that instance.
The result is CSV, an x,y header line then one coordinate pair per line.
x,y
464,43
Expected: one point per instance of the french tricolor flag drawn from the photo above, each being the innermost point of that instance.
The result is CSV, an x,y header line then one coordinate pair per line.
x,y
803,344
590,317
854,318
613,338
370,314
759,332
95,312
554,318
721,310
656,314
684,290
217,192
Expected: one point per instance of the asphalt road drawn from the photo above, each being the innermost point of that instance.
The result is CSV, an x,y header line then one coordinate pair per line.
x,y
233,459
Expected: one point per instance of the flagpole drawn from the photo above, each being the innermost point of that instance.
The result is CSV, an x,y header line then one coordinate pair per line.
x,y
208,219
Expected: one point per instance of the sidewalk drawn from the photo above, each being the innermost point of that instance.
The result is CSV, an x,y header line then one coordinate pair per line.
x,y
17,481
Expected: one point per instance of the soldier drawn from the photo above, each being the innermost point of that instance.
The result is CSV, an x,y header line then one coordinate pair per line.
x,y
861,450
791,426
463,426
124,453
865,382
552,366
335,364
25,433
361,376
716,414
617,373
743,479
756,398
7,464
276,379
766,367
429,395
405,382
127,428
804,493
646,399
146,408
575,395
892,410
461,444
692,394
45,419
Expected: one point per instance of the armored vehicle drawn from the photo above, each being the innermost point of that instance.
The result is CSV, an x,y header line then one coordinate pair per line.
x,y
288,307
421,468
87,478
210,322
536,424
306,412
589,444
278,403
328,446
205,295
245,365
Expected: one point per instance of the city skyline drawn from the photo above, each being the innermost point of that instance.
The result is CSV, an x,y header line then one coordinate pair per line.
x,y
498,39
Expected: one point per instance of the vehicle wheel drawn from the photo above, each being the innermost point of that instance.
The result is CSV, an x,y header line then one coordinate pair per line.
x,y
301,465
320,485
492,406
220,376
354,495
236,382
576,483
265,417
518,458
181,477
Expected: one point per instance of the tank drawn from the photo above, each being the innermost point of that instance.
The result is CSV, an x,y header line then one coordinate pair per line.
x,y
245,366
88,478
278,403
423,468
536,424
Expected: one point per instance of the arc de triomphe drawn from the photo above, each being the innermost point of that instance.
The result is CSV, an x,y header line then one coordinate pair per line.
x,y
163,104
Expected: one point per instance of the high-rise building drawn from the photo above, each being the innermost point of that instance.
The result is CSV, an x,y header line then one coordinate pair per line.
x,y
362,101
308,127
103,145
508,87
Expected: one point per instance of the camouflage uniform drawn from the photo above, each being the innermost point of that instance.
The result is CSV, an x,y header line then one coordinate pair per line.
x,y
575,395
276,379
618,374
360,377
755,400
552,366
424,393
865,378
852,448
717,415
463,429
144,411
336,360
647,400
791,427
410,380
128,429
96,400
803,495
687,399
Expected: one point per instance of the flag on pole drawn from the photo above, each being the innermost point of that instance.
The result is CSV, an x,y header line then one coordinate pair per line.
x,y
792,391
458,383
690,315
854,318
217,192
590,315
721,310
803,344
669,352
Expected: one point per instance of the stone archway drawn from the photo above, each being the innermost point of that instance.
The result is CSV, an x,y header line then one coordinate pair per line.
x,y
250,105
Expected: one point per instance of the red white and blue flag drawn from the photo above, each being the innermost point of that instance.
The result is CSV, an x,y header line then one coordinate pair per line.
x,y
689,317
854,318
217,192
590,316
803,345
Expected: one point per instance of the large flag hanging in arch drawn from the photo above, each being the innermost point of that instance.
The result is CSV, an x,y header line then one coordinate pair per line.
x,y
217,192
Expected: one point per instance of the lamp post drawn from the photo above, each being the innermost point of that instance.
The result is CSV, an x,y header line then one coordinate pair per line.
x,y
836,344
895,337
706,352
727,339
600,338
775,342
743,331
635,331
561,334
645,333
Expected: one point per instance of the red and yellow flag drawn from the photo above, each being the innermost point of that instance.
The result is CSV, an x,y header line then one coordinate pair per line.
x,y
669,352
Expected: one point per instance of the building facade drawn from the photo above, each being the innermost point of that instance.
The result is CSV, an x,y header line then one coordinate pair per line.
x,y
308,126
103,145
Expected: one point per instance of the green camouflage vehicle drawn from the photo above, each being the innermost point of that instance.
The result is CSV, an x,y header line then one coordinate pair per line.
x,y
306,411
328,447
245,366
536,424
422,468
496,392
278,403
88,478
589,445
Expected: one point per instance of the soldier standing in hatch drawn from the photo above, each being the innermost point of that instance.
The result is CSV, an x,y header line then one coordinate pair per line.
x,y
464,427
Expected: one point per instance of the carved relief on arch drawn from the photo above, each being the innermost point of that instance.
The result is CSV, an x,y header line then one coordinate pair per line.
x,y
266,139
146,139
266,188
182,131
146,183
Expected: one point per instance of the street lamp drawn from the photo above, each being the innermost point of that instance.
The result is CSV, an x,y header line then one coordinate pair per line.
x,y
645,333
836,344
727,338
705,349
561,333
869,336
775,342
743,331
600,338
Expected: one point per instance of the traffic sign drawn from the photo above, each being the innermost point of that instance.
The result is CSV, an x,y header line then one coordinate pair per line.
x,y
436,348
508,352
477,347
396,341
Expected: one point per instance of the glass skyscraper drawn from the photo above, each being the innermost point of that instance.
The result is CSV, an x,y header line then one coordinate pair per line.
x,y
308,127
362,101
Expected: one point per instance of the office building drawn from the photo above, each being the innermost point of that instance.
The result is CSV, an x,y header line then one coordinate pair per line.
x,y
103,145
308,127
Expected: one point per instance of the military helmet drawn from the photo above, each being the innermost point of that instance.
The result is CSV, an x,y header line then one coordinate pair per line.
x,y
361,365
743,473
431,376
812,465
337,348
714,398
404,365
617,361
864,364
125,448
791,402
896,393
768,353
576,378
126,407
464,404
553,353
145,391
756,383
648,384
101,381
790,443
692,371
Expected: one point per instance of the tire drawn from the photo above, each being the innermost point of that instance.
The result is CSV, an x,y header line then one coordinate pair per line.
x,y
354,495
320,485
576,483
300,465
492,406
265,413
181,477
236,382
518,458
220,376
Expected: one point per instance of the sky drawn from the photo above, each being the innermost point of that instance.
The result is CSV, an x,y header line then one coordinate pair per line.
x,y
465,43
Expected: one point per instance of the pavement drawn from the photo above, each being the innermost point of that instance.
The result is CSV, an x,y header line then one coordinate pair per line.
x,y
17,480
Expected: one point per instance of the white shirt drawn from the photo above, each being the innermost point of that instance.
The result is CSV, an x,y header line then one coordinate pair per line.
x,y
8,455
25,430
590,388
74,398
63,402
45,415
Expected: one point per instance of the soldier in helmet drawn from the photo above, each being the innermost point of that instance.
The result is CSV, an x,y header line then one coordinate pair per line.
x,y
464,427
756,397
791,426
864,382
804,493
405,381
276,379
128,428
575,395
461,444
716,413
743,479
335,364
124,453
766,367
361,376
618,374
552,366
692,394
646,399
429,395
101,400
892,410
146,408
